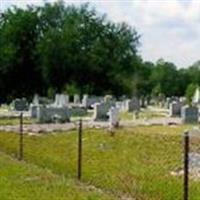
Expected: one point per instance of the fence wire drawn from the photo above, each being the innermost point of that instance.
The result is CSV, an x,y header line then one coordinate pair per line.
x,y
142,163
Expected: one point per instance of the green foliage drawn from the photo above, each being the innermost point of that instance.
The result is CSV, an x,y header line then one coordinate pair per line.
x,y
75,49
71,89
162,77
190,92
156,90
51,93
54,46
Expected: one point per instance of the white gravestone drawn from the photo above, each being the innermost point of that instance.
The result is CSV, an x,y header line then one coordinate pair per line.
x,y
76,99
113,117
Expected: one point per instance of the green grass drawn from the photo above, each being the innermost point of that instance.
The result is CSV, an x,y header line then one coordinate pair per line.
x,y
135,162
143,114
14,121
22,181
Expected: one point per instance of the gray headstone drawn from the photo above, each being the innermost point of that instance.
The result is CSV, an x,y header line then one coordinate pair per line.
x,y
101,111
61,100
88,101
20,104
189,114
132,105
76,99
33,111
52,114
175,108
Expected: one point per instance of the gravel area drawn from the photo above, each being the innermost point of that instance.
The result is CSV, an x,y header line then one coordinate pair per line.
x,y
38,128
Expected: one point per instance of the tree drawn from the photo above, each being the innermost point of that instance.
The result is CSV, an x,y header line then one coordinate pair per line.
x,y
88,50
164,76
18,69
190,91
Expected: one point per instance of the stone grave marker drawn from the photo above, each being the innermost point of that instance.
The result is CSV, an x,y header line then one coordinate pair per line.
x,y
132,105
48,114
101,111
189,114
175,108
113,117
20,104
76,99
88,101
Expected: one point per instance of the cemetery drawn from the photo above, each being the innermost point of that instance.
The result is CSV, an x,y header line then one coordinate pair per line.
x,y
114,131
99,106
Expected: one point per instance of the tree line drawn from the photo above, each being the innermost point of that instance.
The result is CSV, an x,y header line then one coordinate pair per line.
x,y
56,48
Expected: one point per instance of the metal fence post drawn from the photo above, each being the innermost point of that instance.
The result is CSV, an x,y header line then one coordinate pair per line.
x,y
186,166
21,137
79,169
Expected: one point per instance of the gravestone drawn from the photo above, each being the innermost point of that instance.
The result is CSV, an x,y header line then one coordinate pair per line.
x,y
175,108
48,114
168,102
20,104
120,105
61,100
64,100
85,102
88,101
108,98
132,105
113,115
76,99
189,114
33,111
101,111
37,100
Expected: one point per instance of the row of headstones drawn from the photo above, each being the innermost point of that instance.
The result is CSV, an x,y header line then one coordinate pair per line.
x,y
188,114
60,110
64,100
164,102
102,112
60,100
102,109
87,102
129,105
49,113
170,100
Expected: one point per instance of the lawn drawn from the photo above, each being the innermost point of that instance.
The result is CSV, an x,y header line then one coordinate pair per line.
x,y
143,114
23,181
14,121
134,163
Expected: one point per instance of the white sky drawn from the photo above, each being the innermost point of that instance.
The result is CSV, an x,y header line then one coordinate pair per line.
x,y
170,28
